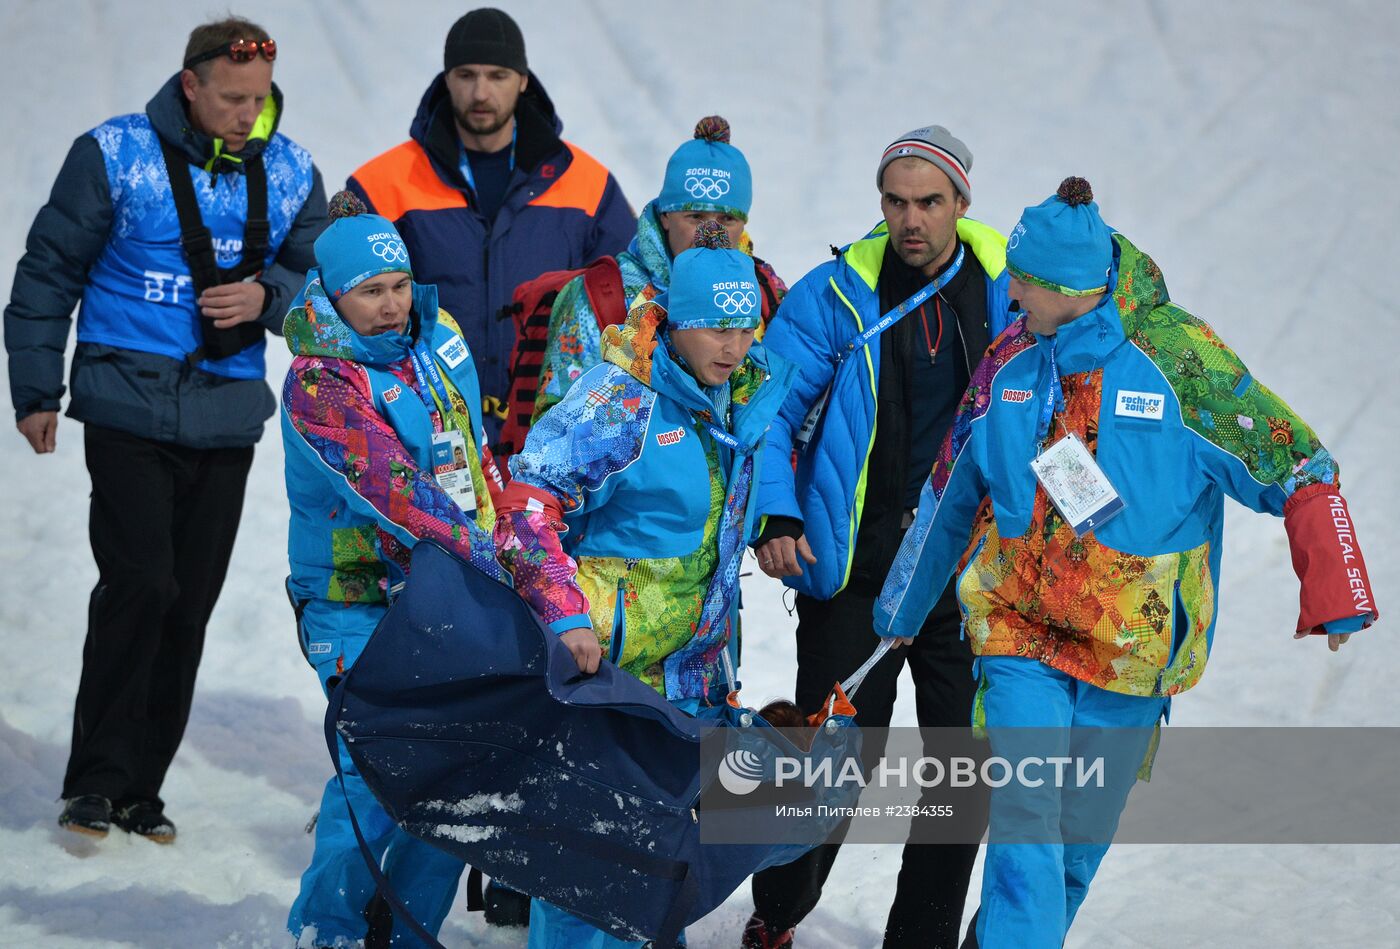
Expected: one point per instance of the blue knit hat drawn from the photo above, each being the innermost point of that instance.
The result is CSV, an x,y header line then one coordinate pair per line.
x,y
357,245
712,286
1062,244
708,174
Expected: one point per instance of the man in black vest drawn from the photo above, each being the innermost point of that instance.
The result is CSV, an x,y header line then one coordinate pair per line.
x,y
918,368
184,230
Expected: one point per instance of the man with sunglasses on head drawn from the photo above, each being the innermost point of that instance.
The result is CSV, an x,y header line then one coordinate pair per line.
x,y
185,231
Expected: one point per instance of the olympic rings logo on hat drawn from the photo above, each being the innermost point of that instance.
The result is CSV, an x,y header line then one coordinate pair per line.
x,y
707,187
1014,241
393,252
738,303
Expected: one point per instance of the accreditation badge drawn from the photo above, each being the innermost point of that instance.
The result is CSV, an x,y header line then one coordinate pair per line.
x,y
451,470
1076,485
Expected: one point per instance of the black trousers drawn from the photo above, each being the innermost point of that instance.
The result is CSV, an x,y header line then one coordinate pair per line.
x,y
833,638
162,526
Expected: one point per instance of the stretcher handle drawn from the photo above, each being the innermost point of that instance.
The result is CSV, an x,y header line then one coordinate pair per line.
x,y
857,677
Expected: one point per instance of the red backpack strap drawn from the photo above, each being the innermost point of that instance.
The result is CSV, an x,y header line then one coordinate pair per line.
x,y
530,309
602,281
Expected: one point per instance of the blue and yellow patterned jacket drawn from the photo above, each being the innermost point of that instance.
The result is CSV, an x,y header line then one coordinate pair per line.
x,y
625,514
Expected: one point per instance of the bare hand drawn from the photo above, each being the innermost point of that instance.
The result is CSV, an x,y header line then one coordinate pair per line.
x,y
779,557
1334,640
583,643
900,641
232,303
40,430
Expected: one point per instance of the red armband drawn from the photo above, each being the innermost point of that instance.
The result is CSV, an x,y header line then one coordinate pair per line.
x,y
1327,559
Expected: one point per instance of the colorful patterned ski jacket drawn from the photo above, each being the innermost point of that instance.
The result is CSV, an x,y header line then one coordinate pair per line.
x,y
358,431
823,314
625,514
575,342
1176,422
562,209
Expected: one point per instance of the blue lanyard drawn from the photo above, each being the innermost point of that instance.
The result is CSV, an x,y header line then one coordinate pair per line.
x,y
894,316
1054,399
722,436
428,373
464,163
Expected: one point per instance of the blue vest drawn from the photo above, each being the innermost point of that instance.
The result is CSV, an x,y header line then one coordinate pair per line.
x,y
139,295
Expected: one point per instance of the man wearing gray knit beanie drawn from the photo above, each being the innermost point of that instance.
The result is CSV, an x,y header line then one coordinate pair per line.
x,y
834,525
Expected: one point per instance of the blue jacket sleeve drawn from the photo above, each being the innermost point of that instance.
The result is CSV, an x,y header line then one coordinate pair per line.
x,y
938,538
283,280
66,239
802,333
614,224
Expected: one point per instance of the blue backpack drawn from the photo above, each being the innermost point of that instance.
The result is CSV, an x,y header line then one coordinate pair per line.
x,y
474,728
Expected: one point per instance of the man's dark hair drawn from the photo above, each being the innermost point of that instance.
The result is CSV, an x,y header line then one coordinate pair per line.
x,y
219,33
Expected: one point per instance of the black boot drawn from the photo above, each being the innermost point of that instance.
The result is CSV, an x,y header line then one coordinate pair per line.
x,y
89,814
506,907
146,818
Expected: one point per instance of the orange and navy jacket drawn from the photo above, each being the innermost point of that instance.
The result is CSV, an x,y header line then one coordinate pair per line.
x,y
562,209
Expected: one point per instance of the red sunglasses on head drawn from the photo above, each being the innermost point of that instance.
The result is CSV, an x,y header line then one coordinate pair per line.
x,y
240,51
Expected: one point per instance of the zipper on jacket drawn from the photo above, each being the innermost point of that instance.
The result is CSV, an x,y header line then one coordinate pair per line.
x,y
957,586
619,627
1179,633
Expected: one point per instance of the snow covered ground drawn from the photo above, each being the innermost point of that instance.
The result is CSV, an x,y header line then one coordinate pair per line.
x,y
1247,146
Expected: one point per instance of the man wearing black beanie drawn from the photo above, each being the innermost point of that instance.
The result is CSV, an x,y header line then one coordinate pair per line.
x,y
487,195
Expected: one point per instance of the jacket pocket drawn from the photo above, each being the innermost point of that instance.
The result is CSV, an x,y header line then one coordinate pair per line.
x,y
1181,624
958,587
619,626
124,390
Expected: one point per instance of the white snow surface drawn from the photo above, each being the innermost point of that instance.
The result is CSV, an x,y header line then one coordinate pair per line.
x,y
1248,146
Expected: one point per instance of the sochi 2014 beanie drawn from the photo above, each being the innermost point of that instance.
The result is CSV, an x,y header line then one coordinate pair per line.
x,y
1062,244
939,147
356,246
708,174
486,36
712,286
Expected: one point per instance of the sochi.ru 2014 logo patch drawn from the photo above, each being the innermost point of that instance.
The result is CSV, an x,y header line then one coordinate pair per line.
x,y
453,352
670,438
392,393
1016,396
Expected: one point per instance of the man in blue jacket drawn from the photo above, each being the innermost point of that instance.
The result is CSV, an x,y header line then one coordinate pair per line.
x,y
185,230
865,418
487,195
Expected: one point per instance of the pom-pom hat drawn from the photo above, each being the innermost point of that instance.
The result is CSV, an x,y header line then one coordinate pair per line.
x,y
1062,244
357,245
937,146
708,174
712,286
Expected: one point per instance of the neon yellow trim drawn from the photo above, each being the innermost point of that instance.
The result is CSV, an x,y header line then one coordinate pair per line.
x,y
987,244
267,121
262,129
865,256
858,503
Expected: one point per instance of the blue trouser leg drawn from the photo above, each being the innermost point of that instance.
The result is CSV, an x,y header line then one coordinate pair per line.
x,y
1046,842
338,885
553,928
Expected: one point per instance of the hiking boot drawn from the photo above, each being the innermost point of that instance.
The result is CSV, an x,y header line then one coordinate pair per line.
x,y
146,818
89,814
757,935
506,907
